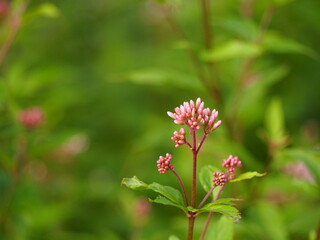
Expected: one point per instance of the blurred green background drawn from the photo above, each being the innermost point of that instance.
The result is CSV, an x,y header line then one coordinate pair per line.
x,y
106,72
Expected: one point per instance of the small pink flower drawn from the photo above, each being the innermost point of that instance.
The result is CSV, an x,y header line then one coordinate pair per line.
x,y
194,115
164,164
179,137
231,164
31,118
219,179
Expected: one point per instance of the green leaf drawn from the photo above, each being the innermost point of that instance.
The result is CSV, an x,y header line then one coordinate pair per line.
x,y
134,183
173,237
48,10
222,230
274,123
171,196
227,210
166,201
278,44
163,77
171,193
232,49
205,176
247,175
251,105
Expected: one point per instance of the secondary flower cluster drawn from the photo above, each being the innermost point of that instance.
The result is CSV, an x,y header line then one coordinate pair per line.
x,y
194,115
164,164
230,164
179,137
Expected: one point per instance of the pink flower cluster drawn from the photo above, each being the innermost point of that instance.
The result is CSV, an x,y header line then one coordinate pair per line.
x,y
32,117
193,114
231,163
179,137
164,164
219,179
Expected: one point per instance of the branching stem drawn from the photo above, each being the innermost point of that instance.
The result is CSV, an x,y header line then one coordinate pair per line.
x,y
182,187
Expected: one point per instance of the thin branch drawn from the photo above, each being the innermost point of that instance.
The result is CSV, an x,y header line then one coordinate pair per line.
x,y
182,187
206,197
204,231
202,141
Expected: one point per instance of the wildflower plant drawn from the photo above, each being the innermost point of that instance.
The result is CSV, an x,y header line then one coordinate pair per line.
x,y
199,122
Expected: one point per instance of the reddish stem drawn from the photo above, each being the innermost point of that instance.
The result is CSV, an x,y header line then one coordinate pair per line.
x,y
204,231
202,141
182,187
206,197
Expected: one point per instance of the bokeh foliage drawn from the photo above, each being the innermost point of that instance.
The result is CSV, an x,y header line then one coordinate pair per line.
x,y
106,72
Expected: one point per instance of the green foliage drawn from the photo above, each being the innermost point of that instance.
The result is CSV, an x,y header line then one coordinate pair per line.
x,y
247,175
109,71
232,49
224,208
222,230
170,196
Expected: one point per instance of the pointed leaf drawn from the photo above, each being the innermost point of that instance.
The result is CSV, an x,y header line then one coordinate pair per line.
x,y
247,175
232,49
205,177
166,201
171,194
275,122
134,183
226,210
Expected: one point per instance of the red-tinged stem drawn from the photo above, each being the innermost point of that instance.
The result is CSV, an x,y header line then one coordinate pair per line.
x,y
206,197
202,141
318,233
194,169
192,216
203,234
204,231
191,226
189,145
182,187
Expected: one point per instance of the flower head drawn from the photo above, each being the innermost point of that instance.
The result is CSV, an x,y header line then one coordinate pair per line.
x,y
164,164
194,115
219,179
231,163
31,118
179,137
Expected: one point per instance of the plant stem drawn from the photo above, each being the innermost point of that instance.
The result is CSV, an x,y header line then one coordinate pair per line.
x,y
202,140
204,231
182,187
191,226
194,169
192,216
206,197
206,23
